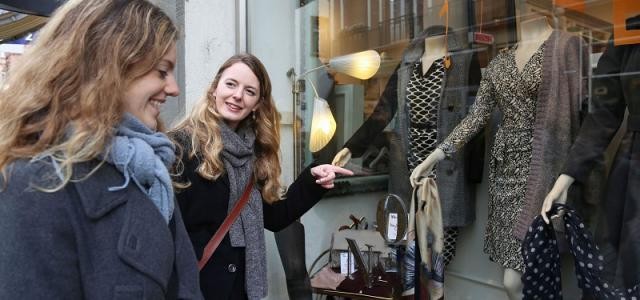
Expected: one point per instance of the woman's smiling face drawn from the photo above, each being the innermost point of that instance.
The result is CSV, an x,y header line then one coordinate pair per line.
x,y
145,95
237,94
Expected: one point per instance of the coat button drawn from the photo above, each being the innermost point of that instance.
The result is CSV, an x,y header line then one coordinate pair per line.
x,y
231,268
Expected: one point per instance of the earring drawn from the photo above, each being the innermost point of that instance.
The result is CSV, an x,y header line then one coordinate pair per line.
x,y
253,115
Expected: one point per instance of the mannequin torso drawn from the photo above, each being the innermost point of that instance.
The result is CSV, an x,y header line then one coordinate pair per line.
x,y
533,33
434,49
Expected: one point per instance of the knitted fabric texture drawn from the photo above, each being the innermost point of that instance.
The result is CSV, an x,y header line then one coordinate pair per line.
x,y
144,156
248,229
560,96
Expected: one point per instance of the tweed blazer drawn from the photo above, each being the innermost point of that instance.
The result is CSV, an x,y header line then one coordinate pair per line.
x,y
85,242
454,176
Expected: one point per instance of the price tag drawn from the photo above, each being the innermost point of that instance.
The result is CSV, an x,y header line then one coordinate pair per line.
x,y
347,259
392,227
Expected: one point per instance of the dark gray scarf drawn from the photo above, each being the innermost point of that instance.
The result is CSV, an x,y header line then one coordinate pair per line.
x,y
248,230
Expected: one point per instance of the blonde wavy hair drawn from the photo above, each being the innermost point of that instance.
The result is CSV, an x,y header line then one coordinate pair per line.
x,y
65,96
206,145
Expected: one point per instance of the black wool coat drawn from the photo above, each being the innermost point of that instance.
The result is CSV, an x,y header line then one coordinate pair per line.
x,y
204,205
615,88
85,242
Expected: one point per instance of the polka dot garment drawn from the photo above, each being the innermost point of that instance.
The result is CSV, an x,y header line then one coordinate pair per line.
x,y
541,276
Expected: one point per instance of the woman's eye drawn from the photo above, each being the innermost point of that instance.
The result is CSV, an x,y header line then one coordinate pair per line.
x,y
163,74
230,84
251,93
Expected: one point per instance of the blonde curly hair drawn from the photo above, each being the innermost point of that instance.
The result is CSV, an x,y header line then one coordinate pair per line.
x,y
65,96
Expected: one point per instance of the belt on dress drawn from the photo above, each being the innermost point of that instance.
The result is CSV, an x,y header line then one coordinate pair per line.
x,y
422,125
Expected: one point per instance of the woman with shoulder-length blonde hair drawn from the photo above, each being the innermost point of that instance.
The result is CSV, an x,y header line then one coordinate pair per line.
x,y
231,138
87,204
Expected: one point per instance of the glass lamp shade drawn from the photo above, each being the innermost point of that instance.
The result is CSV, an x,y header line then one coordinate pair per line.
x,y
361,65
323,125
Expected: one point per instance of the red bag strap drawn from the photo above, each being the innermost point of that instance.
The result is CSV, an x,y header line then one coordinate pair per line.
x,y
214,242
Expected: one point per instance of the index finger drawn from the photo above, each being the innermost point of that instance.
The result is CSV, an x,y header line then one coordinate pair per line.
x,y
340,170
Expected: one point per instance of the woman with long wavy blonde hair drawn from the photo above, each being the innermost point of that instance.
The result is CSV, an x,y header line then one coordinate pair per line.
x,y
87,203
232,137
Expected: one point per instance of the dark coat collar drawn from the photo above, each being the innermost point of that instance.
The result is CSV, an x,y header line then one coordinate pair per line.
x,y
143,229
94,194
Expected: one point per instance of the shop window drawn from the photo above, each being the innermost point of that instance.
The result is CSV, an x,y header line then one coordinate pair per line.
x,y
495,67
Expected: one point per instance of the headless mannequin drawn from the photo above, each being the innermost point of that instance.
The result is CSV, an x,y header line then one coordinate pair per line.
x,y
533,33
435,48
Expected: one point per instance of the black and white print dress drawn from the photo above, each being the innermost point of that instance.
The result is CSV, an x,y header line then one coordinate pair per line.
x,y
515,93
423,98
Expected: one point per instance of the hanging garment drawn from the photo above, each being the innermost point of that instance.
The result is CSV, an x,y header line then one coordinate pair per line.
x,y
540,107
424,92
616,88
426,209
423,97
457,176
515,93
542,271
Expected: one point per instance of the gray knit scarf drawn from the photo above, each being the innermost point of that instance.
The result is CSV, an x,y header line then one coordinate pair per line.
x,y
248,230
144,156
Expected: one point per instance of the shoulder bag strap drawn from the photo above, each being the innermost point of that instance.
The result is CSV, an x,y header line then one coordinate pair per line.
x,y
214,242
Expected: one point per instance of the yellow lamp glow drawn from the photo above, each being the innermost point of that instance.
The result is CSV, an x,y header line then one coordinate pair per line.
x,y
323,125
361,65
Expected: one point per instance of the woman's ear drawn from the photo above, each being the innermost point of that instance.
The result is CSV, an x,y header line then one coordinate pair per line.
x,y
255,108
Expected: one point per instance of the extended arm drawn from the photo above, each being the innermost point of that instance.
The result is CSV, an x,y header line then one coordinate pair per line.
x,y
476,119
384,111
301,196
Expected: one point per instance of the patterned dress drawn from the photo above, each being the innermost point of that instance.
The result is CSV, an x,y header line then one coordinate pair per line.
x,y
515,93
423,97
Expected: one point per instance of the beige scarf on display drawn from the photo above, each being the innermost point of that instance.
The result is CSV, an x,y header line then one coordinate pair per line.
x,y
425,222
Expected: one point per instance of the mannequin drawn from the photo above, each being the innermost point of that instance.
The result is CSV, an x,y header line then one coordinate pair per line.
x,y
418,102
437,49
436,45
524,74
612,96
533,33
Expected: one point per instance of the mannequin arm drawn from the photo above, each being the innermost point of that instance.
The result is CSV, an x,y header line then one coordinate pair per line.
x,y
423,169
342,157
558,193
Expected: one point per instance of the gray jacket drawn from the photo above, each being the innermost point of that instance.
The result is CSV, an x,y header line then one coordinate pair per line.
x,y
454,176
85,242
